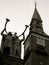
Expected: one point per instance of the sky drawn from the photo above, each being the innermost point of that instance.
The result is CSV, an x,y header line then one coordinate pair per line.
x,y
20,13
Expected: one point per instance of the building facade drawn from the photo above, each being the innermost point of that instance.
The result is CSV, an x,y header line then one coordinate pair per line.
x,y
36,45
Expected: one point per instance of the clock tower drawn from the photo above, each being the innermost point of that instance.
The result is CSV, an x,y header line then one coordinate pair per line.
x,y
36,45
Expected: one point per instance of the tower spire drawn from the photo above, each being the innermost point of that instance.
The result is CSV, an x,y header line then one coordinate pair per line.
x,y
36,22
35,4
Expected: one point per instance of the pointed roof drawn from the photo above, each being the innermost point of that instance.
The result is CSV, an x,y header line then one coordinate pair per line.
x,y
36,14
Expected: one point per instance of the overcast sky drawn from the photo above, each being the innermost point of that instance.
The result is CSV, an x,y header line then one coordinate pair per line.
x,y
20,13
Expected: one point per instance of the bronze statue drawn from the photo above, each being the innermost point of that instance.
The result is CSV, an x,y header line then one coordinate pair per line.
x,y
15,34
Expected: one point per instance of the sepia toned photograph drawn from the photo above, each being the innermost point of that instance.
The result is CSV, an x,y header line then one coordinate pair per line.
x,y
24,32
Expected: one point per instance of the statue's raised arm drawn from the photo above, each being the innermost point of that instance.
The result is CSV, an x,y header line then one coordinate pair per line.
x,y
7,20
24,30
24,33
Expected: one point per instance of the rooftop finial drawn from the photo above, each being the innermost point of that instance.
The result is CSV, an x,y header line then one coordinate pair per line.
x,y
35,4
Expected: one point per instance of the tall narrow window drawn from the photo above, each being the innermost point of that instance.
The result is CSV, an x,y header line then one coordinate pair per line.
x,y
16,52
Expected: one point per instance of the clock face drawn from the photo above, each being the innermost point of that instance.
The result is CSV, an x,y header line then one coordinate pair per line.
x,y
40,41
